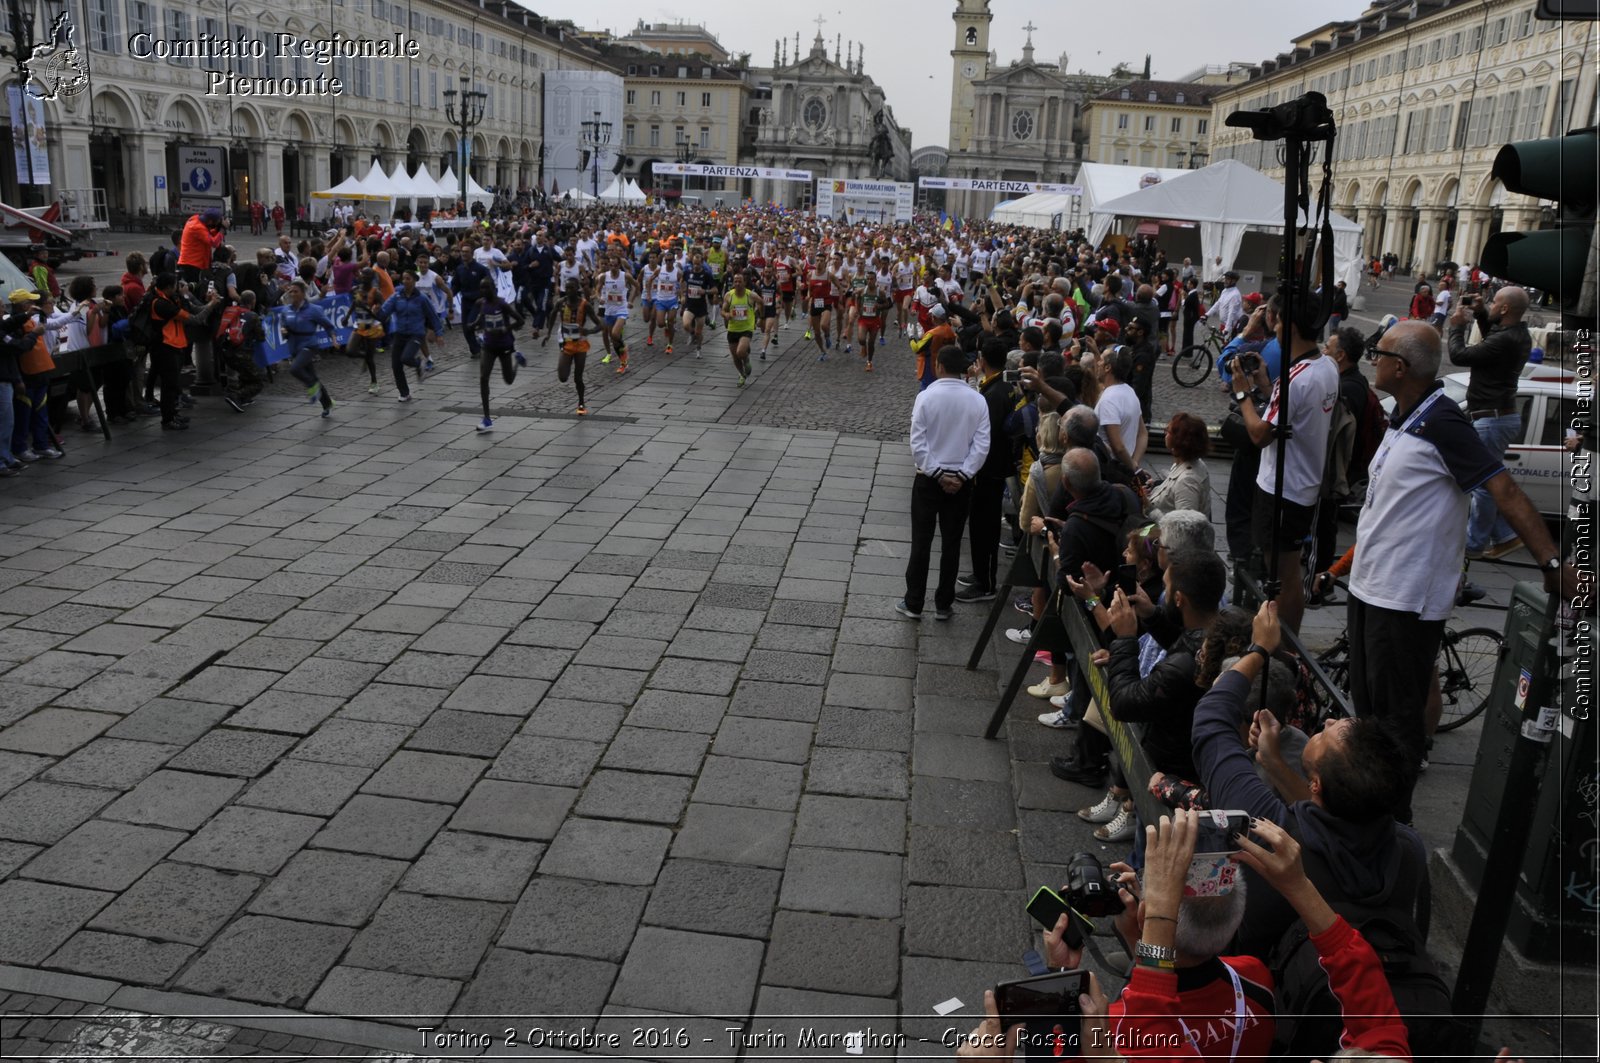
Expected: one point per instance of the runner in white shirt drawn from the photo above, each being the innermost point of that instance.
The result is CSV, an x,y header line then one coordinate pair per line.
x,y
668,294
905,284
647,291
616,296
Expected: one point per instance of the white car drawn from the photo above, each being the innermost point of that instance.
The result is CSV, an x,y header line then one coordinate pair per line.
x,y
1537,461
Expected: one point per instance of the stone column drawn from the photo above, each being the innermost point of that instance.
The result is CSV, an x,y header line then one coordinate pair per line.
x,y
147,160
272,172
1430,238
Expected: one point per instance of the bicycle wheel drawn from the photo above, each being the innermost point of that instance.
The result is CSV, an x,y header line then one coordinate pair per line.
x,y
1467,661
1192,365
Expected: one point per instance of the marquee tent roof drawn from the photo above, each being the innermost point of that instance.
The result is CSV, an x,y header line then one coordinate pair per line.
x,y
1226,198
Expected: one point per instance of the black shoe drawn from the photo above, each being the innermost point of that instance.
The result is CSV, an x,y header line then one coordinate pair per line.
x,y
966,581
235,404
1470,592
975,593
1070,770
174,426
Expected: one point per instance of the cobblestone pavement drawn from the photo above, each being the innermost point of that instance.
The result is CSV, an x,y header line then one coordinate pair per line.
x,y
583,730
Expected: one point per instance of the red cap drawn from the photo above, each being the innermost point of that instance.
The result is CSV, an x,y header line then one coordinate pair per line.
x,y
1108,324
1254,299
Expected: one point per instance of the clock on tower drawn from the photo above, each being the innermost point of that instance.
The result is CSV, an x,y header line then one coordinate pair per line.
x,y
970,62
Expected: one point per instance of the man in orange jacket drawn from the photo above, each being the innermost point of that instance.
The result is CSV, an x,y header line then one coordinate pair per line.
x,y
203,233
928,347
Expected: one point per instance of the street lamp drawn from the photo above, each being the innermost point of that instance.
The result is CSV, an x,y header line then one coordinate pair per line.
x,y
596,135
467,117
1197,157
685,155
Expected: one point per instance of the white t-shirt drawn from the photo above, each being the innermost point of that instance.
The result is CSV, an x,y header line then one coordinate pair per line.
x,y
1313,389
1119,406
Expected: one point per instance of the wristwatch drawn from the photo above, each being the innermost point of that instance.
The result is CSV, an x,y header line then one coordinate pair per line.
x,y
1161,954
1266,654
1552,565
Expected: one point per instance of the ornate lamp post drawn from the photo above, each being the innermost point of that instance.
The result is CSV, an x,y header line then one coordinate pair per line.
x,y
596,135
466,117
685,154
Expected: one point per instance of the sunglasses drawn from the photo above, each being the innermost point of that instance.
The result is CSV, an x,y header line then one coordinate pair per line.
x,y
1373,354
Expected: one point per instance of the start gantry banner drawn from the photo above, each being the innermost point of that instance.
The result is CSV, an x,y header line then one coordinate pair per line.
x,y
976,184
706,169
854,195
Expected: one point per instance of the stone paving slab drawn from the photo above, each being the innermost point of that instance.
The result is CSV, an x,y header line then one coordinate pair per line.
x,y
607,719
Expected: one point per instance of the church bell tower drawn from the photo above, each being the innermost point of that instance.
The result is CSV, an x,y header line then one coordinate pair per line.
x,y
969,63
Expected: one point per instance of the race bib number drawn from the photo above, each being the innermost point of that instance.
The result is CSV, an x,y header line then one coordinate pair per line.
x,y
819,303
740,313
614,300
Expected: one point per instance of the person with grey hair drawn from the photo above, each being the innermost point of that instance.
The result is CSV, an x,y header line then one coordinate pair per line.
x,y
1403,583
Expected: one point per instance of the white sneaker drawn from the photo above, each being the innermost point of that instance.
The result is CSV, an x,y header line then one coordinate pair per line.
x,y
1119,829
1057,719
1019,635
1047,689
1104,812
1060,702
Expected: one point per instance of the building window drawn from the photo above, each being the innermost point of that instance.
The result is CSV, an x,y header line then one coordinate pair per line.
x,y
1524,24
416,87
655,136
380,92
683,71
1455,45
1388,64
705,138
682,99
1441,128
1436,50
1563,115
1124,95
678,135
1497,32
1532,114
1022,125
1482,120
1177,126
1202,126
655,98
1179,98
815,114
433,89
103,25
1506,119
1372,69
705,99
178,30
1474,38
632,97
627,135
1122,123
1463,118
1149,123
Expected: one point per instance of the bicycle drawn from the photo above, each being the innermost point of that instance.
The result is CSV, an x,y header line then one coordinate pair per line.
x,y
1466,666
1192,365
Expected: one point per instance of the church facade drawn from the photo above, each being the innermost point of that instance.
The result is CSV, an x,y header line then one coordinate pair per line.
x,y
1021,122
827,116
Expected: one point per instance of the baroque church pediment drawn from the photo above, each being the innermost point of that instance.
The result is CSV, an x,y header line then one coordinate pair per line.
x,y
1026,76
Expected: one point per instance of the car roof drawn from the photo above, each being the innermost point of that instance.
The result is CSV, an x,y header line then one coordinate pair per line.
x,y
1545,382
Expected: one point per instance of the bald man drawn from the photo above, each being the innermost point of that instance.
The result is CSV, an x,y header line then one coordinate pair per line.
x,y
1496,363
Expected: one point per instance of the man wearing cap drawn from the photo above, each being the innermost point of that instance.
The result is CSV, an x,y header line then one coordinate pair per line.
x,y
1229,307
927,348
202,235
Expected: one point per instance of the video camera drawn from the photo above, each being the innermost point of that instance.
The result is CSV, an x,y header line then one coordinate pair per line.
x,y
1305,117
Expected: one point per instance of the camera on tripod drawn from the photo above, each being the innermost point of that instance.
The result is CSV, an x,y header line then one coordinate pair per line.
x,y
1305,117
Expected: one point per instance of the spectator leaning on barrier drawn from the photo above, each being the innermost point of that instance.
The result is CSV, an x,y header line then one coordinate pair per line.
x,y
949,444
1411,532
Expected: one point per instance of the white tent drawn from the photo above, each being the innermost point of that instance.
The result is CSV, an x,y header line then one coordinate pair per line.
x,y
1043,210
371,189
1227,199
450,189
634,193
412,188
619,192
1103,182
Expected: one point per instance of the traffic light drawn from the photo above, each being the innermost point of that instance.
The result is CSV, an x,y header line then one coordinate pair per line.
x,y
1553,260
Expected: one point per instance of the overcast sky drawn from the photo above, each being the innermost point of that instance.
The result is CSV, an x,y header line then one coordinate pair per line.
x,y
908,41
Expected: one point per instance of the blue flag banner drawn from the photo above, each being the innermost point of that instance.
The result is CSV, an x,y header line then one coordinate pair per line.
x,y
276,347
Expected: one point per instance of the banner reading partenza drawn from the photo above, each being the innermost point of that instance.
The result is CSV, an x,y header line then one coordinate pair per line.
x,y
979,185
705,169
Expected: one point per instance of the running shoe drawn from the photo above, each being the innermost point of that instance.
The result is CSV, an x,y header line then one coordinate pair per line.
x,y
827,341
607,359
404,398
869,367
808,334
485,425
328,409
522,359
622,367
741,381
233,403
763,354
372,389
848,349
428,365
649,341
582,410
669,348
822,358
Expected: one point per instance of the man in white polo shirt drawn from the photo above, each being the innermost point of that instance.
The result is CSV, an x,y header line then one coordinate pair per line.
x,y
949,442
1412,530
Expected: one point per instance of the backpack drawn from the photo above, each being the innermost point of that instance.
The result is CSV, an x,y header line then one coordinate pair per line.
x,y
163,261
143,328
230,326
1370,430
1308,1019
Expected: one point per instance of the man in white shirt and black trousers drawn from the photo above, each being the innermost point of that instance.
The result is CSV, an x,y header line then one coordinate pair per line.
x,y
949,442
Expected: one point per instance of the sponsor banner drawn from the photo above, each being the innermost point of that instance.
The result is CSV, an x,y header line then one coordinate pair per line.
x,y
26,108
705,169
276,347
1009,187
841,197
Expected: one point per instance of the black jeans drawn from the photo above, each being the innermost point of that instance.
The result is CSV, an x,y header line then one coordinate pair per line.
x,y
405,349
1241,501
933,507
164,366
1391,667
983,527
